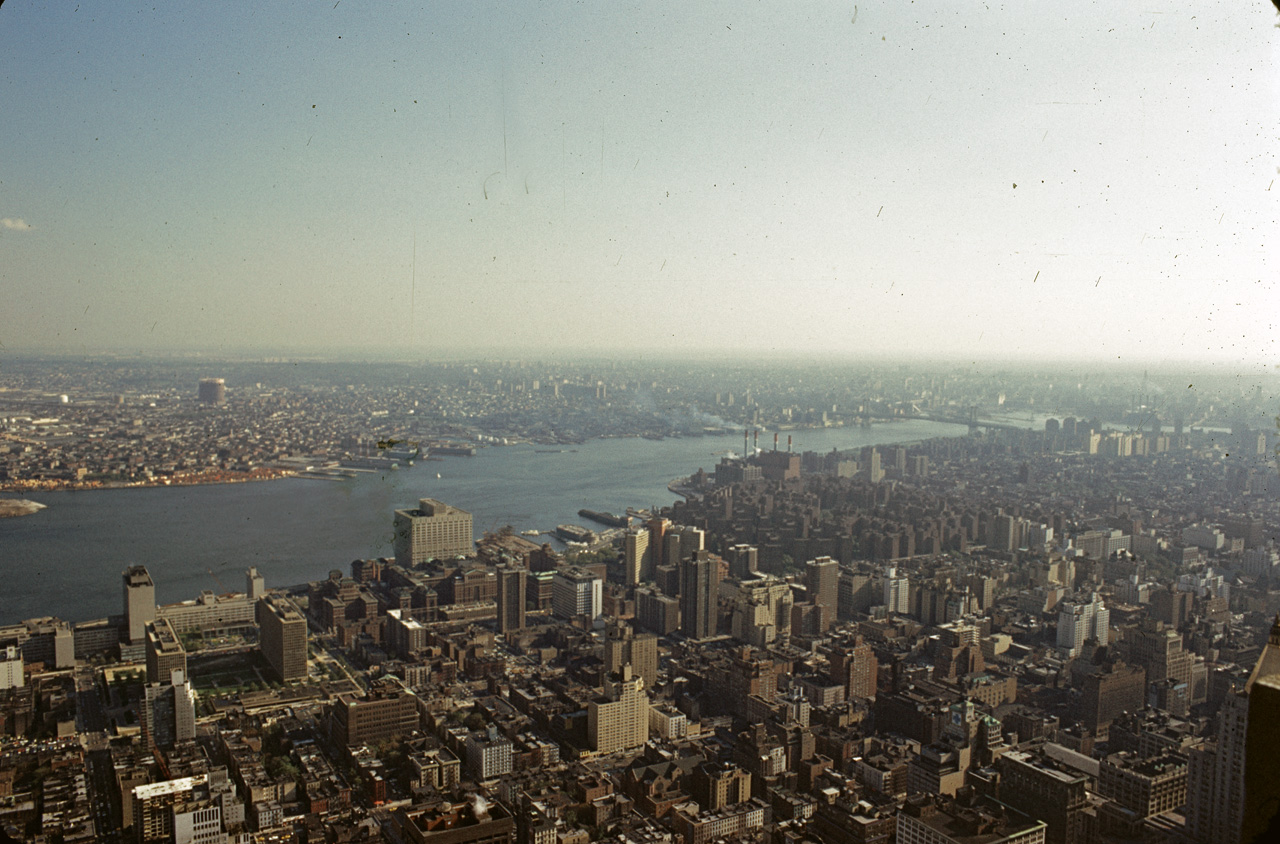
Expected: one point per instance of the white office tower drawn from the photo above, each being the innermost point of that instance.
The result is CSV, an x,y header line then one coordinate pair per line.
x,y
897,591
576,593
1081,621
11,674
620,719
637,558
255,586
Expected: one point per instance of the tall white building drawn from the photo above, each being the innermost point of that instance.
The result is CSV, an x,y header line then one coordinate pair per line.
x,y
620,719
434,530
255,586
692,540
489,754
761,608
576,592
169,711
139,602
1079,621
637,558
897,591
11,675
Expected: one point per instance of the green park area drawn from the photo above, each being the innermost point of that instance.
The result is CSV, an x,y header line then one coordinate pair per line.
x,y
231,673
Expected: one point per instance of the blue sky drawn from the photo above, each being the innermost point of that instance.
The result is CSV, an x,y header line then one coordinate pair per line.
x,y
633,178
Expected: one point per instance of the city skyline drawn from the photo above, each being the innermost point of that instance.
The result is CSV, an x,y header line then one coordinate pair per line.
x,y
1059,593
969,182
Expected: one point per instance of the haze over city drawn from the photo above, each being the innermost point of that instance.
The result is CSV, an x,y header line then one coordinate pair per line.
x,y
950,180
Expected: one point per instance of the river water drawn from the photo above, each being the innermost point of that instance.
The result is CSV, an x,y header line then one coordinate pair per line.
x,y
66,560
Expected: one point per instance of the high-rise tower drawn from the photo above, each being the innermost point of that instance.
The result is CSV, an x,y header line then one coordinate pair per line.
x,y
212,391
1216,784
283,637
139,602
897,591
433,530
254,584
697,597
624,646
165,653
511,598
821,579
637,558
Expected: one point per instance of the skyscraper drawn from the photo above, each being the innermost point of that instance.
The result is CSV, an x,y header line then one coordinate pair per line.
x,y
1262,768
488,754
1004,532
854,666
871,465
254,584
511,598
623,646
1110,692
139,602
1078,621
897,591
697,597
1216,793
282,637
165,653
762,608
168,711
11,676
672,548
576,593
619,721
212,391
433,530
637,559
657,531
688,541
821,579
656,611
743,561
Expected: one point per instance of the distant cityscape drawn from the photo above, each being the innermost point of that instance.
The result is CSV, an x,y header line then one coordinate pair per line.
x,y
81,424
1062,627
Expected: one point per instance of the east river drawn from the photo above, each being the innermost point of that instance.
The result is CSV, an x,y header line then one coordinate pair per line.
x,y
66,560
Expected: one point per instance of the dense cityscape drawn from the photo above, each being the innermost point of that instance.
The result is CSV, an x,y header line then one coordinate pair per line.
x,y
1061,627
656,423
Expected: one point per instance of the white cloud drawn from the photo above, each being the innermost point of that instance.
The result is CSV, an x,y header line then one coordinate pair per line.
x,y
16,224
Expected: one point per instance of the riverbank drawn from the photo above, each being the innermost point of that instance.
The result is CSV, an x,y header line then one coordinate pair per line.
x,y
67,562
187,479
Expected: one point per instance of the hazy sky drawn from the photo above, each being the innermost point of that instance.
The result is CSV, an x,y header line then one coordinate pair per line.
x,y
986,180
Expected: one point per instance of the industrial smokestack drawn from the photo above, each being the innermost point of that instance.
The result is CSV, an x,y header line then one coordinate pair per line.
x,y
788,443
775,441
